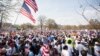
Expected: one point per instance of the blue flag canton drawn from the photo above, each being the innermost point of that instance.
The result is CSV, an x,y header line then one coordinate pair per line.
x,y
26,7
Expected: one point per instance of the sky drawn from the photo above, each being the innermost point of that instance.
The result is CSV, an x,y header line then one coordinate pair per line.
x,y
64,12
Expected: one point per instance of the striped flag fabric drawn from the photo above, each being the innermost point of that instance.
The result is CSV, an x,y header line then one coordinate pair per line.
x,y
32,4
45,50
25,10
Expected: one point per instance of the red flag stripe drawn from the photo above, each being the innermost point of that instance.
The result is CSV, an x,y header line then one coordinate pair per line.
x,y
29,17
23,11
32,4
29,2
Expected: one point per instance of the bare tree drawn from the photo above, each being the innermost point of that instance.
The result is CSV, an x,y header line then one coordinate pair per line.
x,y
6,6
26,26
41,20
94,5
51,24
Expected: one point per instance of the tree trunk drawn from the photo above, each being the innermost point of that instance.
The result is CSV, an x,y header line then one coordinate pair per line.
x,y
1,21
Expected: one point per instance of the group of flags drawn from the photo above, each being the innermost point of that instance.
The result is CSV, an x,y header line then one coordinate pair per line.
x,y
26,11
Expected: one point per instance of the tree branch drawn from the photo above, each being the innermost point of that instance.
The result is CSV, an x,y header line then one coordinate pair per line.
x,y
92,6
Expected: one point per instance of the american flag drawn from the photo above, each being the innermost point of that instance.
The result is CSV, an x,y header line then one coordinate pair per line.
x,y
26,12
32,4
45,50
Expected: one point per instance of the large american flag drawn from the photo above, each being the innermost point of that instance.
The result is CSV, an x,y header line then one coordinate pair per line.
x,y
32,4
27,12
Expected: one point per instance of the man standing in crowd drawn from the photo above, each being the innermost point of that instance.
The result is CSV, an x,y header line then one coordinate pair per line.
x,y
97,49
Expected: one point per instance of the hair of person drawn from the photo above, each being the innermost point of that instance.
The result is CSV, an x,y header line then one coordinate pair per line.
x,y
65,47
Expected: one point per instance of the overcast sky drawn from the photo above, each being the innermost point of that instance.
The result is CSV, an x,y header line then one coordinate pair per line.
x,y
64,12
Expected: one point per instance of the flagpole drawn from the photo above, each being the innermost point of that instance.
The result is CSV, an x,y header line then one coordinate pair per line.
x,y
17,15
25,8
16,19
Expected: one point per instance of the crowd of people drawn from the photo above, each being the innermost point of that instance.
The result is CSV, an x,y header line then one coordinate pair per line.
x,y
50,43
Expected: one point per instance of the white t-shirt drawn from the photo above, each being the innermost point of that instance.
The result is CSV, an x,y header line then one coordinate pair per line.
x,y
70,49
11,51
96,49
65,53
80,47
